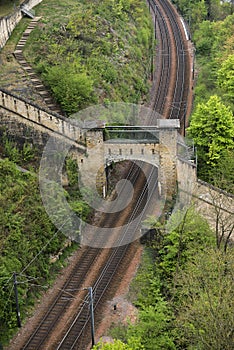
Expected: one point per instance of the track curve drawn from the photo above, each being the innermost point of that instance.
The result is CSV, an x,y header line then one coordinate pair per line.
x,y
173,92
170,101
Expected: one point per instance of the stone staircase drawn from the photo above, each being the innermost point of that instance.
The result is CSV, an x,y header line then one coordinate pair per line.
x,y
37,84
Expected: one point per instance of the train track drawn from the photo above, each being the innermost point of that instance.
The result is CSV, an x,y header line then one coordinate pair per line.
x,y
74,334
108,264
173,87
170,101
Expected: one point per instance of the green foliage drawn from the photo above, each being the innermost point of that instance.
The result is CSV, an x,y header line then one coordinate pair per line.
x,y
72,87
100,52
222,176
212,121
205,301
181,243
153,328
116,345
212,129
204,38
225,78
201,10
15,154
27,239
72,172
145,289
214,46
154,288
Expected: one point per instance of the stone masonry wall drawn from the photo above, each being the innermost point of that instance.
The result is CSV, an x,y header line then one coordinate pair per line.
x,y
22,111
8,23
213,204
146,152
168,134
27,121
186,180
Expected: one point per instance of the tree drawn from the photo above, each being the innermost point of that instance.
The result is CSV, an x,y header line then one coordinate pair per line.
x,y
205,300
213,9
212,129
189,233
225,78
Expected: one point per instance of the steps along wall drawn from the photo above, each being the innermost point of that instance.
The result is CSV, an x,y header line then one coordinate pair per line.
x,y
38,86
8,23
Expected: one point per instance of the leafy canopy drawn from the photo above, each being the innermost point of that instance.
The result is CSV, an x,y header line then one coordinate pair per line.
x,y
212,129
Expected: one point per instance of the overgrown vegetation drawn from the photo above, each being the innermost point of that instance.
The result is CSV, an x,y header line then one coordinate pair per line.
x,y
95,52
183,291
25,230
86,53
26,155
29,241
212,26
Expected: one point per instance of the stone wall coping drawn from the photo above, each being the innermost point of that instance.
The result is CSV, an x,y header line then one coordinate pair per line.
x,y
33,104
212,187
168,123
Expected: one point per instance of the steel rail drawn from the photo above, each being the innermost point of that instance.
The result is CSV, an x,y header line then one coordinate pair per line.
x,y
74,333
164,58
60,303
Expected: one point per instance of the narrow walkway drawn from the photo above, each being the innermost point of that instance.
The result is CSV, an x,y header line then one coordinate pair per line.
x,y
37,84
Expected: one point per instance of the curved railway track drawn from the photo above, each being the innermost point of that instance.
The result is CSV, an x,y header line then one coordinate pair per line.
x,y
75,331
170,101
108,259
173,87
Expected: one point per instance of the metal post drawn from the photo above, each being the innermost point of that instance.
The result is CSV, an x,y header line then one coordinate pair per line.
x,y
90,289
16,300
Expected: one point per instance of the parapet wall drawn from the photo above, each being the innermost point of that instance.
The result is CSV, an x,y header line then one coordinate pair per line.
x,y
186,180
216,205
8,23
20,109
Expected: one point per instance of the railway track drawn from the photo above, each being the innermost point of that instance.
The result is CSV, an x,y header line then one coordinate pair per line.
x,y
173,87
74,334
108,261
170,101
